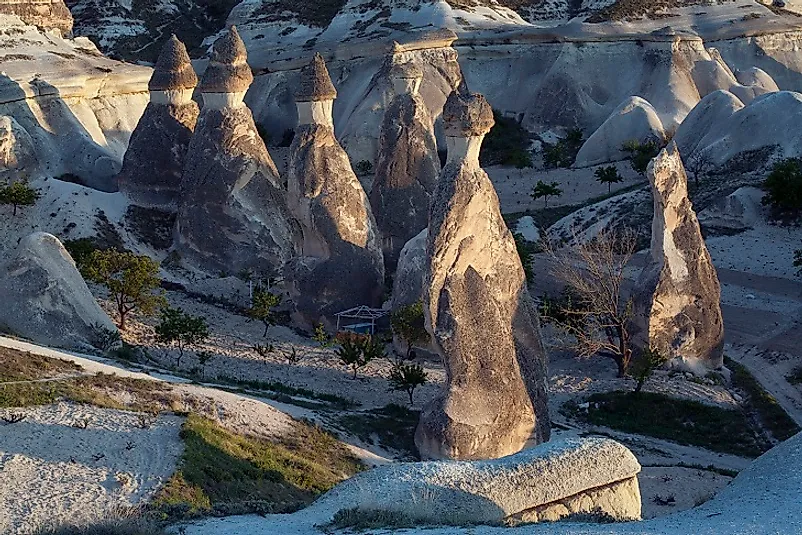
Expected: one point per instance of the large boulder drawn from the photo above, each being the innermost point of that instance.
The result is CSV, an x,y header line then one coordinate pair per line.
x,y
739,211
45,297
634,120
154,162
233,214
44,14
408,164
408,279
545,483
478,310
18,158
678,298
341,265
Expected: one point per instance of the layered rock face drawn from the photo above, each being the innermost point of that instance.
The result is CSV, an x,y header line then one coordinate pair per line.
x,y
678,304
341,264
478,310
45,297
546,483
17,154
408,279
233,211
634,120
154,162
44,14
408,165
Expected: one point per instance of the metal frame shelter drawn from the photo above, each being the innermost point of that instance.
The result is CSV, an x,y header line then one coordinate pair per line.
x,y
361,313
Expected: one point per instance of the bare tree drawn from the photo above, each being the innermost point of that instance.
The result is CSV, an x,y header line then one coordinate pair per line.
x,y
700,164
594,309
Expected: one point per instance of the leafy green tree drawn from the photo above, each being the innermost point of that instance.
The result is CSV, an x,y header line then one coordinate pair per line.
x,y
544,191
132,281
262,305
783,189
357,350
507,143
608,175
525,250
19,194
203,358
563,153
407,377
321,336
181,329
640,154
645,366
408,323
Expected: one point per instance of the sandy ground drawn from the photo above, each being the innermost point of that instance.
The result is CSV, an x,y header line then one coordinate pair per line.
x,y
52,469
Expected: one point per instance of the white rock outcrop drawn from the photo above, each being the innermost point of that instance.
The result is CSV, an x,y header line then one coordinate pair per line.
x,y
634,120
232,214
478,310
341,264
711,110
154,162
44,14
408,164
408,279
738,211
678,297
544,483
46,299
18,158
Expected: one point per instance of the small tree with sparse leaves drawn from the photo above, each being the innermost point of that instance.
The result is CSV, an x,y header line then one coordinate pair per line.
x,y
262,306
321,336
203,358
357,350
645,366
18,194
544,191
408,323
407,377
132,281
181,329
608,175
640,154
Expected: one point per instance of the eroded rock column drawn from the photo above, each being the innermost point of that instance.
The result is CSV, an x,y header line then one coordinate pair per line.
x,y
408,165
154,162
478,309
233,212
341,264
678,302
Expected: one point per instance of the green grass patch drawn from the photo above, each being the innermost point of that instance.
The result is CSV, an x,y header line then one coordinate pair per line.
x,y
335,401
24,366
360,520
771,414
222,473
392,426
682,421
795,377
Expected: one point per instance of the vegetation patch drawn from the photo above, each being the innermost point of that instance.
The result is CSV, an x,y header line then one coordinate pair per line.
x,y
24,366
151,226
795,377
118,522
507,143
222,473
359,520
770,413
391,426
336,402
682,421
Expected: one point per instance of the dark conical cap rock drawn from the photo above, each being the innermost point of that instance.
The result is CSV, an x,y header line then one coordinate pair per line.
x,y
173,69
228,70
315,82
467,114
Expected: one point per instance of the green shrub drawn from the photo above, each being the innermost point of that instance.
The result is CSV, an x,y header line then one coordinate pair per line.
x,y
18,194
409,323
641,153
407,377
182,329
783,188
262,305
507,143
563,153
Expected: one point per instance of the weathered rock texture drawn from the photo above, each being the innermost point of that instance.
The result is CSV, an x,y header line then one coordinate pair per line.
x,y
408,165
17,154
341,264
544,483
634,120
44,14
478,310
678,304
154,162
233,212
45,298
408,279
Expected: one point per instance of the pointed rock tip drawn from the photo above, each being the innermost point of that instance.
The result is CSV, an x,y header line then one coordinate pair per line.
x,y
173,70
467,114
229,48
228,70
315,84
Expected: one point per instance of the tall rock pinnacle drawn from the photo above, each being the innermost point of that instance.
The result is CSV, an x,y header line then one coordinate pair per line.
x,y
154,162
678,304
341,265
233,210
478,310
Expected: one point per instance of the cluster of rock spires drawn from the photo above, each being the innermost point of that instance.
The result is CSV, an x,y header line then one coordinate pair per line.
x,y
44,14
341,264
478,309
232,214
678,303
